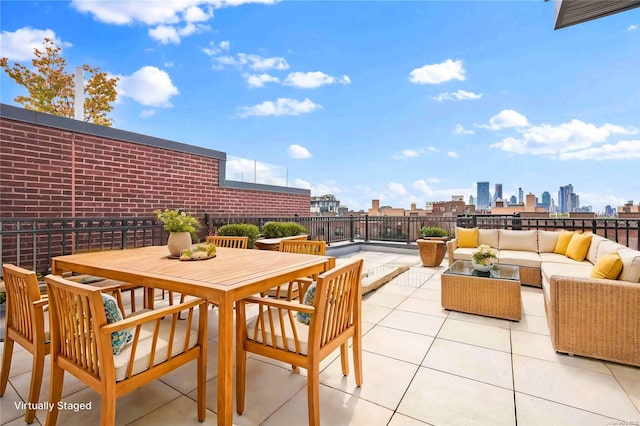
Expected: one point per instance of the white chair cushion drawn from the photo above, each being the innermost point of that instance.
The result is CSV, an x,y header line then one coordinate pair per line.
x,y
301,329
143,350
577,269
518,240
463,253
547,241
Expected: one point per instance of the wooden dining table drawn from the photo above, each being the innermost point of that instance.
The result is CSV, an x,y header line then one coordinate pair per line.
x,y
230,276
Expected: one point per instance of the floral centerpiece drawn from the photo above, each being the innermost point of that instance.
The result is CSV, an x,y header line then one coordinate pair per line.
x,y
484,258
181,226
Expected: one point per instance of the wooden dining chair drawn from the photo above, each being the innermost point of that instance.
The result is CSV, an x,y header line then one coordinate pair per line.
x,y
276,332
115,356
24,324
297,287
227,241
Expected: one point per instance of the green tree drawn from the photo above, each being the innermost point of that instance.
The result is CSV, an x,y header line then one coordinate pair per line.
x,y
51,88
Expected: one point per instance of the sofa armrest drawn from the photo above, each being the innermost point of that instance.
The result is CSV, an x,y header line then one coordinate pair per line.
x,y
451,246
595,317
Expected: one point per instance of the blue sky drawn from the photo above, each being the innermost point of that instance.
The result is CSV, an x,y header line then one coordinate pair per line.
x,y
397,101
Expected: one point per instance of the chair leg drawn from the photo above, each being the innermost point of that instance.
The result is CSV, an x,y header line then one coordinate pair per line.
x,y
108,410
202,383
241,377
344,358
357,359
55,393
313,394
36,383
6,363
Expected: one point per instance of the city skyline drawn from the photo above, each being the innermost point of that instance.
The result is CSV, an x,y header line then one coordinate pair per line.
x,y
405,102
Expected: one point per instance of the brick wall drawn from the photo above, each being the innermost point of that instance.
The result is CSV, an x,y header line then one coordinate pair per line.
x,y
52,166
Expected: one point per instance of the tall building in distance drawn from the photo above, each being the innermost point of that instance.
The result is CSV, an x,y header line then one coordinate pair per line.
x,y
568,201
520,196
484,199
546,200
497,193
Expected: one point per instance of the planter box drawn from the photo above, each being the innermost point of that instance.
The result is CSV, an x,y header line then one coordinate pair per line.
x,y
274,243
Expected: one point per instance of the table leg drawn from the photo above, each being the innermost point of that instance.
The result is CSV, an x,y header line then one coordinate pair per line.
x,y
225,361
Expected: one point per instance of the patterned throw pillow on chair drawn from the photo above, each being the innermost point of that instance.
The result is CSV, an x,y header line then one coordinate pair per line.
x,y
113,314
304,317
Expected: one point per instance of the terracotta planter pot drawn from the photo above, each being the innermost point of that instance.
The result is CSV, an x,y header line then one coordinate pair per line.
x,y
178,241
432,251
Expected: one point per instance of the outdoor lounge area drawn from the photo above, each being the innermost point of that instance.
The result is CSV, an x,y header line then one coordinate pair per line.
x,y
421,365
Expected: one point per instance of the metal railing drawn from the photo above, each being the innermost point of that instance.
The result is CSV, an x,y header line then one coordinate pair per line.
x,y
31,243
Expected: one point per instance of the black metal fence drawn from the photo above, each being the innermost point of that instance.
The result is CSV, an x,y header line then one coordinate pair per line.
x,y
31,243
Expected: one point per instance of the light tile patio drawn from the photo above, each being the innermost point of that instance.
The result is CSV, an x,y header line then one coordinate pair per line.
x,y
422,365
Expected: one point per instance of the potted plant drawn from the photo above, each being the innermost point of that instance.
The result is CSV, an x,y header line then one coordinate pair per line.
x,y
432,245
434,232
180,226
484,258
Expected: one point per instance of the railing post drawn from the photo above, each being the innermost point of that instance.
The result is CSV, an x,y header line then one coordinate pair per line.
x,y
351,228
366,227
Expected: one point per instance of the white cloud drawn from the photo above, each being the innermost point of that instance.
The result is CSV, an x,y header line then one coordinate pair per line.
x,y
214,49
572,140
632,27
452,154
623,150
255,62
298,152
438,73
407,153
166,34
300,183
460,130
197,14
460,95
311,80
146,113
283,106
506,118
149,86
20,44
423,187
258,63
397,189
259,80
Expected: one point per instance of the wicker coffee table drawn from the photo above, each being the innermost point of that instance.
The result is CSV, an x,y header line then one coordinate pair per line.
x,y
495,293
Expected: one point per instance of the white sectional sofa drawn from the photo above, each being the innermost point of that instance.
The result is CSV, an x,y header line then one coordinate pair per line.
x,y
595,317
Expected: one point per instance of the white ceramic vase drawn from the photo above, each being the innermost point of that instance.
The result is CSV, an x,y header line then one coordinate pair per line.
x,y
178,241
481,268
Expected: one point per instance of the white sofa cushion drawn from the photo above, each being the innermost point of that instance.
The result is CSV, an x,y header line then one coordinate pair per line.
x,y
592,254
608,246
630,265
529,259
547,241
575,269
558,258
488,237
518,240
463,253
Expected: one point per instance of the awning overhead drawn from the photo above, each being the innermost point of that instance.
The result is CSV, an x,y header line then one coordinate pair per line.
x,y
571,12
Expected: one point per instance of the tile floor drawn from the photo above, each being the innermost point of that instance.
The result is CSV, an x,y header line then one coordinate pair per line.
x,y
422,366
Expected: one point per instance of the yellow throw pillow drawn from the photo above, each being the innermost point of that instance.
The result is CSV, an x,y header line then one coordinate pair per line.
x,y
467,237
608,267
563,242
579,246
